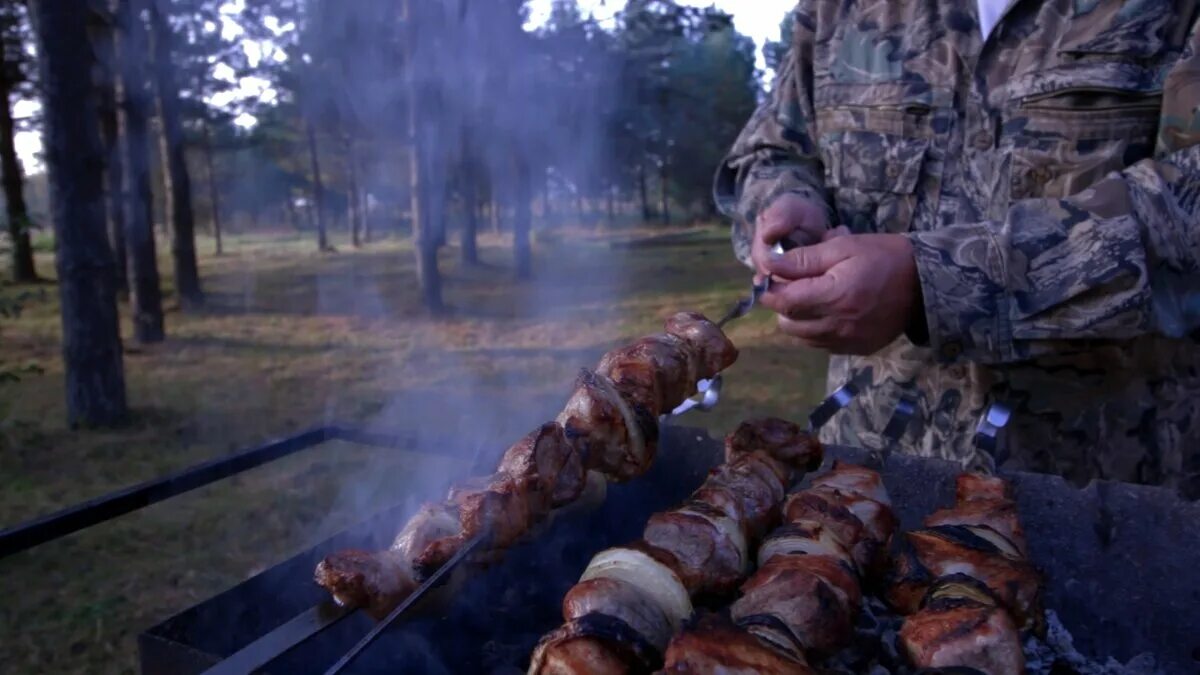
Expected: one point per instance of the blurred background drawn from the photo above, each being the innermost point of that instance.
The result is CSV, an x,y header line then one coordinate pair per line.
x,y
419,216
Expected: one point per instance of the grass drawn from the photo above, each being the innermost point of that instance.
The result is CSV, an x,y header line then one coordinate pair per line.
x,y
289,339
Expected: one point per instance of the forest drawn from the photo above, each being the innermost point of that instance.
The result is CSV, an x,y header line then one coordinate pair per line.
x,y
428,120
248,217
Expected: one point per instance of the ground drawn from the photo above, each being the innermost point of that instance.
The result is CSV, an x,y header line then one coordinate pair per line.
x,y
291,339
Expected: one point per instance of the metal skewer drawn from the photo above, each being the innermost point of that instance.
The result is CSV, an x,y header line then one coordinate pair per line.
x,y
906,408
424,588
988,434
742,307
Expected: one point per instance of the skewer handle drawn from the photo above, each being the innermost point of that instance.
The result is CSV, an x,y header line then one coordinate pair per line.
x,y
988,434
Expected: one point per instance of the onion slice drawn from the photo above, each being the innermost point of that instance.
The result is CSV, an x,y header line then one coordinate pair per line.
x,y
647,575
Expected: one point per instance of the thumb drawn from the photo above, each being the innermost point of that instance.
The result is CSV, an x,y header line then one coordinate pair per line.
x,y
810,261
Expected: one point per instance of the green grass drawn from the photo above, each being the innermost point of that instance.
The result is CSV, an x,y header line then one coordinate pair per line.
x,y
292,338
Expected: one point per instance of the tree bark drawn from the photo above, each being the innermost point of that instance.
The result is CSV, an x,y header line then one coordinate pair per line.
x,y
425,239
145,295
522,217
19,223
353,206
314,161
95,380
213,193
114,179
470,225
644,192
177,180
666,205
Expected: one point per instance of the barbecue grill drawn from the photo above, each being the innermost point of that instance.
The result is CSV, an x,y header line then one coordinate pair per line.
x,y
1122,567
1121,564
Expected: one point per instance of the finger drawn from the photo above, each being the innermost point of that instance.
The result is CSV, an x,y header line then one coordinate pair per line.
x,y
810,261
839,231
802,298
817,333
760,253
791,217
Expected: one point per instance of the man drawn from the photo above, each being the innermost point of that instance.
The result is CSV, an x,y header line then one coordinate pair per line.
x,y
1007,211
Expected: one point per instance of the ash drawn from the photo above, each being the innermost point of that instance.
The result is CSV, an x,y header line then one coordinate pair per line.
x,y
875,650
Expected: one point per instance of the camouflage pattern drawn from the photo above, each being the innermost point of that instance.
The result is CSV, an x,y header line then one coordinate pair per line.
x,y
1049,179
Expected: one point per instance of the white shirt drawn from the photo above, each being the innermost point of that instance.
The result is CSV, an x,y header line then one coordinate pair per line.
x,y
989,14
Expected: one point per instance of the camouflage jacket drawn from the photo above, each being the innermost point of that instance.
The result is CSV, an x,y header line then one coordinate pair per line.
x,y
1049,180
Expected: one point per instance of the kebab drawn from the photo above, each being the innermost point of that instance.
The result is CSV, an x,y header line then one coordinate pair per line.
x,y
975,587
630,600
608,428
802,602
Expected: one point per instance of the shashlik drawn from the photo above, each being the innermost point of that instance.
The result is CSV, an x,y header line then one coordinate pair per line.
x,y
802,602
609,425
967,584
642,593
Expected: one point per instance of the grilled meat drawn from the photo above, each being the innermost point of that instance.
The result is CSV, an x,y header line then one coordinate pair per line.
x,y
816,597
549,465
714,351
714,647
658,372
709,545
961,625
804,598
788,441
986,501
378,581
957,549
700,549
608,434
609,425
595,644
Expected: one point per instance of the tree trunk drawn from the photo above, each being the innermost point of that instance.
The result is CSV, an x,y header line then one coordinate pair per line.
x,y
429,277
353,206
612,207
213,193
145,295
314,162
95,380
470,226
522,217
666,206
177,181
14,190
644,192
104,35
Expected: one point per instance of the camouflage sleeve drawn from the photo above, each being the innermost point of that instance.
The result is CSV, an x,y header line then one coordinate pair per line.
x,y
775,154
1115,261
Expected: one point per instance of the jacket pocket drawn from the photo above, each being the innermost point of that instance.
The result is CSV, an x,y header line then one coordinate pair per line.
x,y
877,143
1079,125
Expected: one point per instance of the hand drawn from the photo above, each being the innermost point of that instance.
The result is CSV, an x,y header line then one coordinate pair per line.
x,y
850,294
790,216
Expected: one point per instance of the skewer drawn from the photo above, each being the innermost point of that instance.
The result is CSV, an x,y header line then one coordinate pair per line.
x,y
416,595
906,407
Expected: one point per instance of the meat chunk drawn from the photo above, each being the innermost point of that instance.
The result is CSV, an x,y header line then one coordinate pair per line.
x,y
379,580
659,371
595,644
807,508
715,351
709,546
608,434
985,501
816,597
928,554
783,440
756,482
854,479
376,581
549,465
621,600
714,647
962,627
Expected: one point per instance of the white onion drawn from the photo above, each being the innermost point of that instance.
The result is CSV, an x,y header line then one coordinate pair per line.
x,y
824,543
647,575
637,444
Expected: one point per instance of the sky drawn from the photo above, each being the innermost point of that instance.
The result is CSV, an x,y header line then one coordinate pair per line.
x,y
758,19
